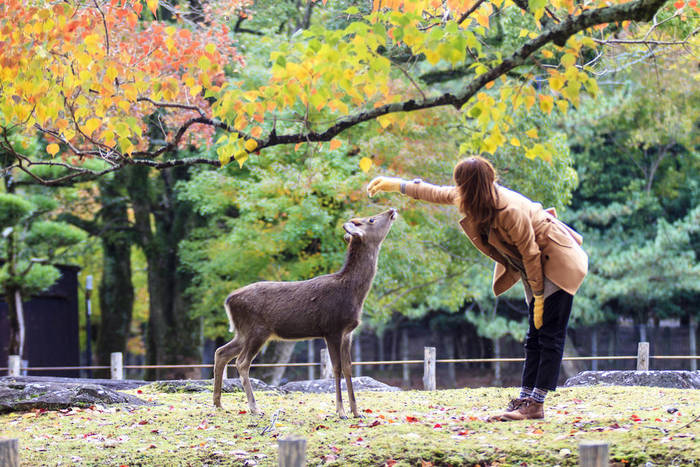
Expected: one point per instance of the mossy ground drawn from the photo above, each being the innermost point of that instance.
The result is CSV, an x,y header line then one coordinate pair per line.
x,y
406,428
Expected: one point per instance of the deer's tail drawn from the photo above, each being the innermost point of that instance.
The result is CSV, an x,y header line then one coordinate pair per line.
x,y
227,306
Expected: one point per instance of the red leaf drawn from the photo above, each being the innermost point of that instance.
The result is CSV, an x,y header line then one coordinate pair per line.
x,y
359,439
390,462
321,427
437,425
375,423
335,449
138,391
241,412
410,419
679,4
368,410
463,433
151,446
143,422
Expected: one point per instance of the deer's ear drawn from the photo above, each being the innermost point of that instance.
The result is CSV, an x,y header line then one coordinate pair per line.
x,y
353,231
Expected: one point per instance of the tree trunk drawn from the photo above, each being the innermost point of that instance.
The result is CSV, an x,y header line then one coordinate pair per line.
x,y
115,291
13,298
570,368
594,348
406,373
692,343
163,221
283,353
497,380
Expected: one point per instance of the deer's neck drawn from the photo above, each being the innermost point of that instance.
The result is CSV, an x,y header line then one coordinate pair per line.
x,y
359,268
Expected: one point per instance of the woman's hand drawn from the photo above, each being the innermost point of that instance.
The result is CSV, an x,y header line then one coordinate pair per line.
x,y
387,184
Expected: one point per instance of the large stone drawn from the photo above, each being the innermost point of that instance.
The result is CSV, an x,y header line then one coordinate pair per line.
x,y
21,396
363,383
664,379
115,384
202,385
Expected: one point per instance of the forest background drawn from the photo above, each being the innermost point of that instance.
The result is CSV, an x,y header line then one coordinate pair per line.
x,y
227,142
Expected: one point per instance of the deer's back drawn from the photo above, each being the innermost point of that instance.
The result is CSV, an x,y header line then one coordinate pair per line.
x,y
295,310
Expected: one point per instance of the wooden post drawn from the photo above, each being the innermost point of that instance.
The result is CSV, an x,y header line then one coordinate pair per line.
x,y
326,365
116,366
9,452
310,358
643,356
429,368
291,452
593,454
14,364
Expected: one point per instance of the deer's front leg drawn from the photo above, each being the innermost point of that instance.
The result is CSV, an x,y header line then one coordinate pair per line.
x,y
346,363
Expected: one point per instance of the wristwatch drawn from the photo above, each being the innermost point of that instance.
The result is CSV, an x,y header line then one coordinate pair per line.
x,y
402,187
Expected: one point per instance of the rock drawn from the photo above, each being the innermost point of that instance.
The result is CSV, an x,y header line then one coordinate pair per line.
x,y
363,383
115,384
664,379
21,396
202,385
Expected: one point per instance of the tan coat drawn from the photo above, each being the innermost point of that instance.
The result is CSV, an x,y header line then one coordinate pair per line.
x,y
545,245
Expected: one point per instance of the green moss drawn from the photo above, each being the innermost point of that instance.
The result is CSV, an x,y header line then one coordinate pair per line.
x,y
443,427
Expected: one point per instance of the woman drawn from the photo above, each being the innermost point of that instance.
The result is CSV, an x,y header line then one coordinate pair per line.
x,y
526,242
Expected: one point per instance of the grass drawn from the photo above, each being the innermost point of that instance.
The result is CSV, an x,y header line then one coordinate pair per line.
x,y
406,428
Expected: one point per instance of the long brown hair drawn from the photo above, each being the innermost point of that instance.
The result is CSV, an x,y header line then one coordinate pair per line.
x,y
475,177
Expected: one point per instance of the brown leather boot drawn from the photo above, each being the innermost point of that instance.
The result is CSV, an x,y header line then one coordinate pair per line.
x,y
529,409
515,404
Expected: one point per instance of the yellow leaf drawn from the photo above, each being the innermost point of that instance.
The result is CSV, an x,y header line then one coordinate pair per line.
x,y
546,103
52,149
482,18
365,164
529,101
532,132
385,120
563,106
241,157
210,48
556,82
152,5
90,126
515,142
250,145
335,144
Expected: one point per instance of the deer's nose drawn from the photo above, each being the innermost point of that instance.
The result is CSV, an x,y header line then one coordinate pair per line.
x,y
393,213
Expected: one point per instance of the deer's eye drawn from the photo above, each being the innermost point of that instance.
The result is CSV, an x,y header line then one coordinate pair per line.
x,y
371,221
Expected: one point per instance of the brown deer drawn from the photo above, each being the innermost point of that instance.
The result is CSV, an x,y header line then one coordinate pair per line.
x,y
327,306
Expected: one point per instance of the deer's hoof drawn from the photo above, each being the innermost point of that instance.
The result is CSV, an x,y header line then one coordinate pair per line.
x,y
358,415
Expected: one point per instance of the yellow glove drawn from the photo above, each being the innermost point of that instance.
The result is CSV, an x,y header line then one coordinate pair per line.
x,y
387,184
538,311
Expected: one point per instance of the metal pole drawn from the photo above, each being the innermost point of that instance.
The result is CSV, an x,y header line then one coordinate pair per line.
x,y
14,365
116,366
88,325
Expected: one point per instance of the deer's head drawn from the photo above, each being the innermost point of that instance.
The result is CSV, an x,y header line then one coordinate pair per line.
x,y
370,230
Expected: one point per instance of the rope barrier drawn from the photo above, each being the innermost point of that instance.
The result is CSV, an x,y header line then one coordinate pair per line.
x,y
380,362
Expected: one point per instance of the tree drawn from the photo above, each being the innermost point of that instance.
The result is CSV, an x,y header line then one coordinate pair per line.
x,y
72,72
29,239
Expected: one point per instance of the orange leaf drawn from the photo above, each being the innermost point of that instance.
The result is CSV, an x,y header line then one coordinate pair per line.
x,y
335,144
52,149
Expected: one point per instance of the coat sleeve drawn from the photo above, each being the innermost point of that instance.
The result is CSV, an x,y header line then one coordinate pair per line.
x,y
518,228
431,193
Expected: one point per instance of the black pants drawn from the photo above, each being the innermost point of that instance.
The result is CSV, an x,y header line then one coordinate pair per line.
x,y
544,347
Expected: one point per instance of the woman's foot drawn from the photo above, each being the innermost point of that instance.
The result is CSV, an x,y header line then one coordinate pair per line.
x,y
528,409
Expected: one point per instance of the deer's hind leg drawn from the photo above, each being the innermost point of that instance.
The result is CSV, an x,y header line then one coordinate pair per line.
x,y
346,363
250,350
334,343
222,356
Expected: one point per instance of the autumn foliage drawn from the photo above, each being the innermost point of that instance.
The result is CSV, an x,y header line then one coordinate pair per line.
x,y
110,80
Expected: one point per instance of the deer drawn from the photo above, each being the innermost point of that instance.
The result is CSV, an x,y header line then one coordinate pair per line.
x,y
327,306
